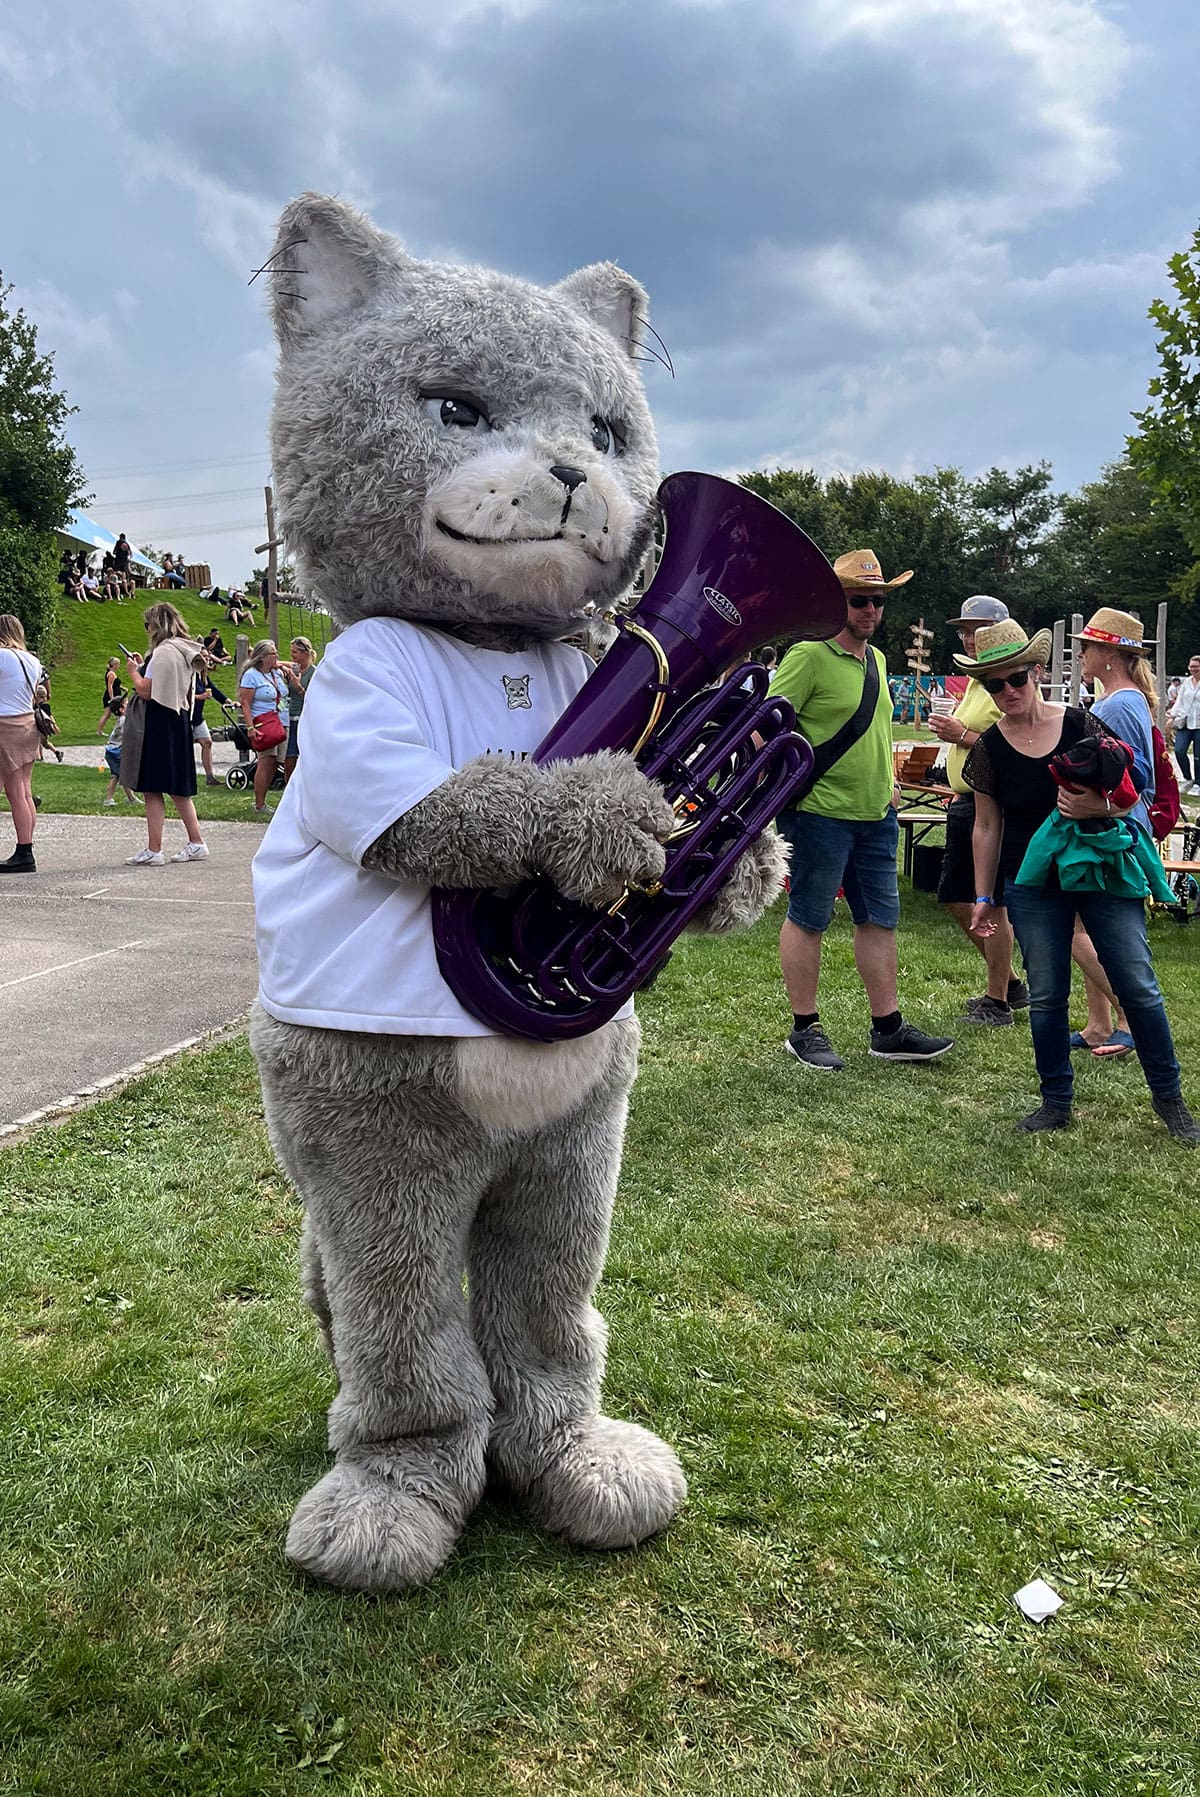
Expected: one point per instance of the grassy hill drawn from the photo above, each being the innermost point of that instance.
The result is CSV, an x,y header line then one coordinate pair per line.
x,y
89,634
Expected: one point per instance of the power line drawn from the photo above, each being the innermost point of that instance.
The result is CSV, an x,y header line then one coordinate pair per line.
x,y
138,505
220,461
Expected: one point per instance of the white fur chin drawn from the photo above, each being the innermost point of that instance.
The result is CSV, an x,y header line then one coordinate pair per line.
x,y
514,1085
543,573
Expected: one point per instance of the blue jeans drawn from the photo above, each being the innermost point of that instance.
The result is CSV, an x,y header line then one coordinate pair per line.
x,y
1044,920
1187,741
833,852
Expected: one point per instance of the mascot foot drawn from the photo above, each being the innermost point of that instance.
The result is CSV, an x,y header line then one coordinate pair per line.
x,y
365,1528
610,1485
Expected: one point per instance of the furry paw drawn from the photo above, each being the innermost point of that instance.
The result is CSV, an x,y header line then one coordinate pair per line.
x,y
610,1485
755,883
363,1528
602,827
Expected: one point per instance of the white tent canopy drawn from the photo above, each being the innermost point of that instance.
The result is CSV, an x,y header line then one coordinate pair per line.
x,y
84,533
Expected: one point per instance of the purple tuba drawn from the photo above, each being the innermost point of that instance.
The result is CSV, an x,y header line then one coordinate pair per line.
x,y
735,573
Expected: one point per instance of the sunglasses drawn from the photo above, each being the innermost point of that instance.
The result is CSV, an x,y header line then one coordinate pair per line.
x,y
861,599
1020,678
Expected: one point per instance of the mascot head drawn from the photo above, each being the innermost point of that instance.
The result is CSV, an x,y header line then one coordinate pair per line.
x,y
451,445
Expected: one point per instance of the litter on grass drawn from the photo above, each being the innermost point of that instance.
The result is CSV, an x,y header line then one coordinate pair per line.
x,y
1037,1600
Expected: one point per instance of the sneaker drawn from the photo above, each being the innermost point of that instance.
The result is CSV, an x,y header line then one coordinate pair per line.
x,y
191,851
1178,1119
263,810
908,1043
109,803
211,780
812,1047
147,858
1018,995
988,1010
1047,1116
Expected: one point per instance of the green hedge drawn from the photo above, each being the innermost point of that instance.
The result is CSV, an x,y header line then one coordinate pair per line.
x,y
28,560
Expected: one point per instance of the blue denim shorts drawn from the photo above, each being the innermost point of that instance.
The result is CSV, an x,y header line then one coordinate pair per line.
x,y
830,852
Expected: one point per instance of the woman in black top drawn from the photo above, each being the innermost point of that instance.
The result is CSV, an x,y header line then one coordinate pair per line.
x,y
1009,770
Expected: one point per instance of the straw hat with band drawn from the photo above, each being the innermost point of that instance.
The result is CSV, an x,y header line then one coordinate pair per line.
x,y
1001,648
859,571
981,609
1112,629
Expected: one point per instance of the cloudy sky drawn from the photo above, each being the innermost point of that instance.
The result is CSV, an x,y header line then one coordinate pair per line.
x,y
876,233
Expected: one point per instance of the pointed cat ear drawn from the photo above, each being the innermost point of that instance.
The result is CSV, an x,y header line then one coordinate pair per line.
x,y
328,259
610,298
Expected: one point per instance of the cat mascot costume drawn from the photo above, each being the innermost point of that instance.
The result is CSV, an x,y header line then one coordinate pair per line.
x,y
465,465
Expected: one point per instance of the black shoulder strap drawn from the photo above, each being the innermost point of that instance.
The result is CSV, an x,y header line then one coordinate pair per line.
x,y
827,753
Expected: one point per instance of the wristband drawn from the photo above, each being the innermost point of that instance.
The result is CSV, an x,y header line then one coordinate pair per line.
x,y
982,898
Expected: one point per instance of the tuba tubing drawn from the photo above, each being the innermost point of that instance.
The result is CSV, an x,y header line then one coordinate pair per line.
x,y
734,573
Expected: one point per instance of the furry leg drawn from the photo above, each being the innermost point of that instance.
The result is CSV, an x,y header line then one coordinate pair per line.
x,y
390,1171
536,1254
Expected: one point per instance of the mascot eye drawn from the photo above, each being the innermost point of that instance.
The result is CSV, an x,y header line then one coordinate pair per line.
x,y
452,409
607,437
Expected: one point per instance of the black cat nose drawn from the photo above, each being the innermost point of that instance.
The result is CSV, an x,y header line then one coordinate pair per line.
x,y
570,477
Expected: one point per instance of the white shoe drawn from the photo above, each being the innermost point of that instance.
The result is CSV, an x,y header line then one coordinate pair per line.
x,y
109,802
192,851
147,858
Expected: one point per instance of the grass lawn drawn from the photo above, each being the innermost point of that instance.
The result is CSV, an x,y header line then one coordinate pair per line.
x,y
910,1361
81,790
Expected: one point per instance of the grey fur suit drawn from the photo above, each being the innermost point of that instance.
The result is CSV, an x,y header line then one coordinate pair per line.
x,y
473,455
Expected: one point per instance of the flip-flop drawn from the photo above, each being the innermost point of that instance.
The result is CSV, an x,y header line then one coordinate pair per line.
x,y
1078,1041
1118,1044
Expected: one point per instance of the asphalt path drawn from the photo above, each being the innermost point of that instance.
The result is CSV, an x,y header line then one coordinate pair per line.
x,y
104,966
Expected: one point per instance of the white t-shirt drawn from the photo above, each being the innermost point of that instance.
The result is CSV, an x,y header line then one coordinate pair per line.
x,y
15,696
393,710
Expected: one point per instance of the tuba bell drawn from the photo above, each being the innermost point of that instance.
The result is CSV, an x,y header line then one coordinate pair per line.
x,y
734,573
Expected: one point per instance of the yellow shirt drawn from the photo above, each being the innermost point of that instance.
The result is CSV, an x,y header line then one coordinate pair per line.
x,y
976,710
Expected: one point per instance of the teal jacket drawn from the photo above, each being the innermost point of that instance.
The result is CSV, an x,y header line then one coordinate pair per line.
x,y
1099,855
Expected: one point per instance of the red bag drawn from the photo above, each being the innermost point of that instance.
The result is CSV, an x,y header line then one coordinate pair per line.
x,y
1166,808
269,732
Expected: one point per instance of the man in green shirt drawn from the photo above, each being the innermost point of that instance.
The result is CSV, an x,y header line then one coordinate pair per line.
x,y
843,834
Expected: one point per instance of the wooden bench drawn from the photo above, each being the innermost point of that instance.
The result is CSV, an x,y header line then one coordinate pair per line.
x,y
911,764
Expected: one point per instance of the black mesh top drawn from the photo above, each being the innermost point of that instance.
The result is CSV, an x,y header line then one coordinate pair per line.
x,y
1022,785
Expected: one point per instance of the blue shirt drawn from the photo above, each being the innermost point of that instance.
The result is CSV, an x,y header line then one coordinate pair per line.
x,y
1127,714
268,691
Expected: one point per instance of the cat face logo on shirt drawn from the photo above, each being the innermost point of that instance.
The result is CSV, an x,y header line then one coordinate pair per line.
x,y
516,691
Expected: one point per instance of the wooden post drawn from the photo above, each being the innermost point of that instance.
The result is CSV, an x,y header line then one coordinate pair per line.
x,y
1056,661
1160,664
241,652
918,664
1076,627
272,570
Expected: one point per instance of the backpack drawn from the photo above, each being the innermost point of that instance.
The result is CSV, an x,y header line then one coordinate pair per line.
x,y
1165,808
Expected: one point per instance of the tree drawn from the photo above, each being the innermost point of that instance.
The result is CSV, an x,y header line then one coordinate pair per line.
x,y
1114,546
1167,451
1011,514
285,575
919,524
40,478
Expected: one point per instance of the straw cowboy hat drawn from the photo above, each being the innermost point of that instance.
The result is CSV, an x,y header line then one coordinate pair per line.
x,y
859,570
982,609
1112,629
1000,648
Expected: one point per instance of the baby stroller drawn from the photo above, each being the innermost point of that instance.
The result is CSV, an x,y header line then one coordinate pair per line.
x,y
233,730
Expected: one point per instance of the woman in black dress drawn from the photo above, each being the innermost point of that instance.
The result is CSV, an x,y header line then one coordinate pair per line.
x,y
158,733
1015,793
